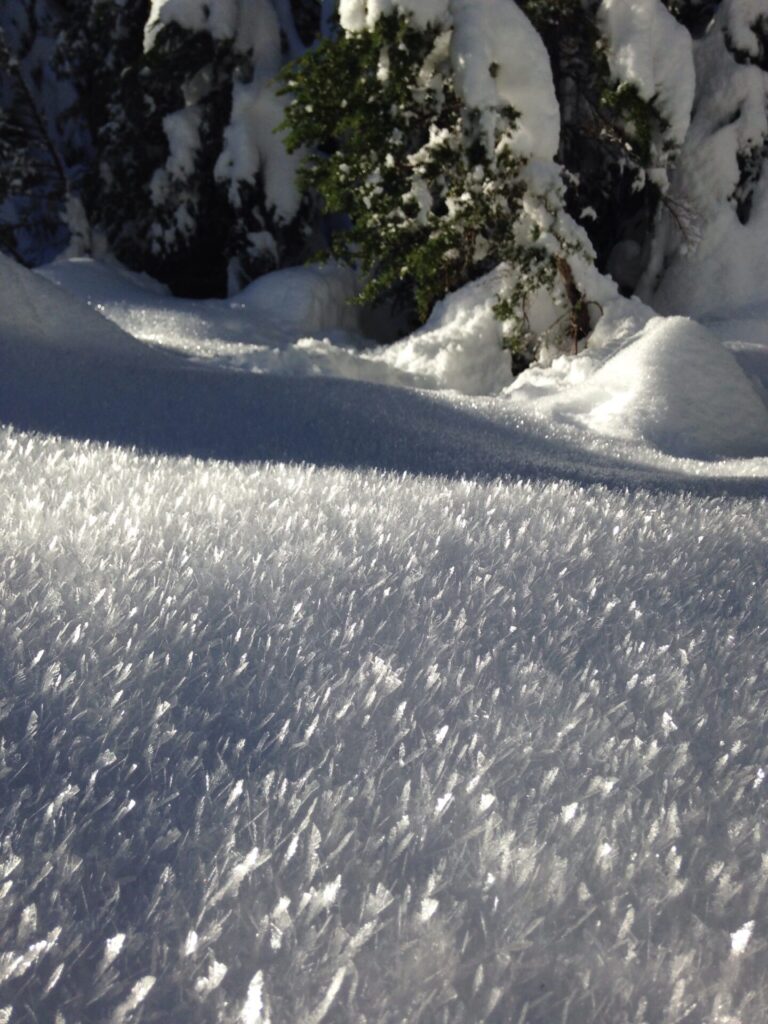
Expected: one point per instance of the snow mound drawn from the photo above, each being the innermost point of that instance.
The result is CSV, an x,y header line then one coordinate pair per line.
x,y
303,300
674,387
35,314
99,282
248,331
459,347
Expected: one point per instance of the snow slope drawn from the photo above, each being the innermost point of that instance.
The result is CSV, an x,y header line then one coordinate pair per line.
x,y
41,318
658,387
428,708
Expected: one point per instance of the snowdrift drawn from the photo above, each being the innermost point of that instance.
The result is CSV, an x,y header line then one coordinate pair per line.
x,y
459,347
661,386
674,387
37,317
303,300
268,316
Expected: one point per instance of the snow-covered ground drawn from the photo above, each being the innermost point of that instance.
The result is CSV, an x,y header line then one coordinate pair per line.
x,y
329,700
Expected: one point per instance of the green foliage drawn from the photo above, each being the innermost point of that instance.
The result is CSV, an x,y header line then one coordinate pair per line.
x,y
610,136
627,107
432,189
104,141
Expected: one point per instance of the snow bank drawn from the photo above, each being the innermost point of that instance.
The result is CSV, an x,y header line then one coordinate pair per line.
x,y
275,310
35,315
301,321
460,348
98,281
665,384
303,300
673,387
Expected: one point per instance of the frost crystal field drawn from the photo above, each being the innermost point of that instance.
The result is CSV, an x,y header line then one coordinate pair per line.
x,y
460,719
345,682
297,744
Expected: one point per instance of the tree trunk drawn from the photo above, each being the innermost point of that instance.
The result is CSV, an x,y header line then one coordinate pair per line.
x,y
579,322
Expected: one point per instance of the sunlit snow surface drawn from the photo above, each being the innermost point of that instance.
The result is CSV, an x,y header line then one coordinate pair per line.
x,y
463,745
462,719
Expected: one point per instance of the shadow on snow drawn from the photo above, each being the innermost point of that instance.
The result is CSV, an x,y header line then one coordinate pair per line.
x,y
166,406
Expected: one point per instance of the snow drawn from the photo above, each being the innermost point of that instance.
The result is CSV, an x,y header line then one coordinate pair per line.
x,y
497,56
253,26
253,146
326,699
709,258
304,300
350,682
675,387
182,131
252,143
497,34
189,14
357,15
667,387
742,22
535,625
252,329
37,318
648,48
459,347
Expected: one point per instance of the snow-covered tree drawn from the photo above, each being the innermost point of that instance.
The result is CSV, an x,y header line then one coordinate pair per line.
x,y
170,147
435,128
616,140
188,179
458,137
42,160
709,245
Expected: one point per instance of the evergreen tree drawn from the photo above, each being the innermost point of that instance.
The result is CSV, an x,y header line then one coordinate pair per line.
x,y
437,188
41,163
161,145
97,51
611,138
192,141
430,199
719,184
400,144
